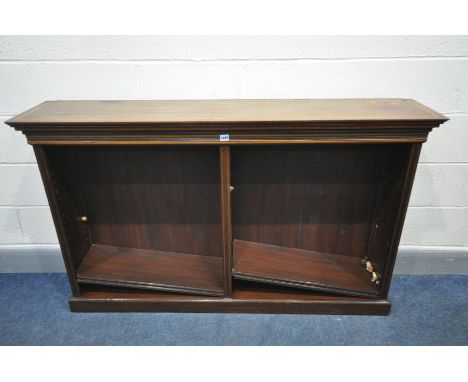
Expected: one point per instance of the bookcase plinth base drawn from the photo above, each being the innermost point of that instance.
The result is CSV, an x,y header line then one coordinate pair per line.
x,y
100,302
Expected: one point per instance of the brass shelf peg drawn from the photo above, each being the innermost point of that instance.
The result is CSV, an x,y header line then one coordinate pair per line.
x,y
84,218
370,268
375,278
231,188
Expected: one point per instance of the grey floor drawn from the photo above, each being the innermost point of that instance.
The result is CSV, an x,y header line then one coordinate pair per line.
x,y
427,310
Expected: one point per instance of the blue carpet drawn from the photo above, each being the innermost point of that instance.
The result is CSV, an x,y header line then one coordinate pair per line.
x,y
427,310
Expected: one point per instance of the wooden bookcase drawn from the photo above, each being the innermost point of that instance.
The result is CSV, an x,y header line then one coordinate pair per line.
x,y
293,206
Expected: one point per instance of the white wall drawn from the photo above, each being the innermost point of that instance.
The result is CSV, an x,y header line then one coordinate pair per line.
x,y
432,70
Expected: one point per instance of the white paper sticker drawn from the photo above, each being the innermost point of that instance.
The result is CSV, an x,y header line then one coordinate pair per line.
x,y
224,137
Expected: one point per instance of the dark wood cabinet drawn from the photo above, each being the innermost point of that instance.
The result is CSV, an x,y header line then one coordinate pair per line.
x,y
293,206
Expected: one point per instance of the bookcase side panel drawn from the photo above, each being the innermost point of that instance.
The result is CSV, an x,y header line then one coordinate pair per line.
x,y
62,189
399,205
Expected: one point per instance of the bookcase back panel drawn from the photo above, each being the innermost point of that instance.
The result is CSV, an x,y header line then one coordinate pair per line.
x,y
319,198
157,198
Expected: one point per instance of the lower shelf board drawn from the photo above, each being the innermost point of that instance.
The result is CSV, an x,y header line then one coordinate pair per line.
x,y
149,269
301,269
246,298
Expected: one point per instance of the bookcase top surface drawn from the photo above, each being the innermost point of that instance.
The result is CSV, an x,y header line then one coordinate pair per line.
x,y
200,112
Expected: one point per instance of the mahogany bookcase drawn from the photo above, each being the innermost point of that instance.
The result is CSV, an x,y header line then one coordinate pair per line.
x,y
282,206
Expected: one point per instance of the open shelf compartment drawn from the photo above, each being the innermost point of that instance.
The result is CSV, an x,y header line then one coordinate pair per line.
x,y
142,217
306,216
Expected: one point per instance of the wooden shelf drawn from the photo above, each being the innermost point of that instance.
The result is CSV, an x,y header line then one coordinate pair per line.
x,y
149,269
301,269
247,298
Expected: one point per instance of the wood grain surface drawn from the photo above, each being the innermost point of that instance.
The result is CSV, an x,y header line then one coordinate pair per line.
x,y
156,270
301,269
225,111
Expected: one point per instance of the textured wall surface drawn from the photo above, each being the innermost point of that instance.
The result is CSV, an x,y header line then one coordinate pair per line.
x,y
432,70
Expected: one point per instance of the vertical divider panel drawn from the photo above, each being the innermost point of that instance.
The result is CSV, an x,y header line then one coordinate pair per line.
x,y
226,221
